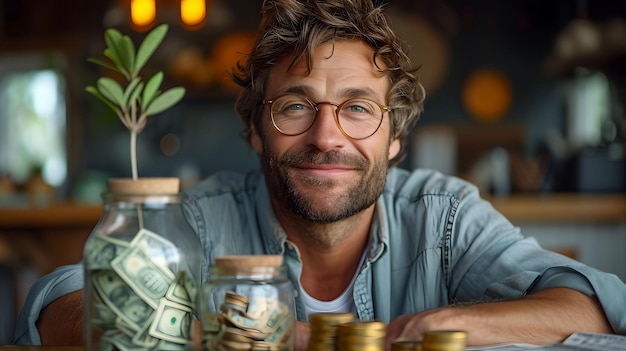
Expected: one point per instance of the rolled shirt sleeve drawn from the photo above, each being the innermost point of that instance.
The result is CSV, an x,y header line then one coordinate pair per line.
x,y
607,288
491,255
59,282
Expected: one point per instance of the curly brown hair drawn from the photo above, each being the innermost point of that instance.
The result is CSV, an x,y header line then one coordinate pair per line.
x,y
298,27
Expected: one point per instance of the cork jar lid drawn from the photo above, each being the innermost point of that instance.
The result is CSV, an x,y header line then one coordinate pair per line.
x,y
144,186
249,261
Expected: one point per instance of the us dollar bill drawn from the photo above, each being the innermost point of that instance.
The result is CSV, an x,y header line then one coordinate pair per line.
x,y
122,299
143,338
172,322
138,301
147,279
103,249
163,252
177,291
103,315
121,341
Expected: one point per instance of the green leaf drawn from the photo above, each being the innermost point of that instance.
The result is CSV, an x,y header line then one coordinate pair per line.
x,y
127,50
151,89
135,95
130,90
112,37
120,68
165,100
149,45
92,90
103,64
116,52
112,90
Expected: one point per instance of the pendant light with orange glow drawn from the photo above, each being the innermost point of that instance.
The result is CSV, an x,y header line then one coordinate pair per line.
x,y
193,13
142,13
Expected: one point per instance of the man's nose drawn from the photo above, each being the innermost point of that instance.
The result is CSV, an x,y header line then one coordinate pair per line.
x,y
325,133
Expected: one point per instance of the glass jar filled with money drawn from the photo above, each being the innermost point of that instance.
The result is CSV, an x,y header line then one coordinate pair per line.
x,y
142,270
248,304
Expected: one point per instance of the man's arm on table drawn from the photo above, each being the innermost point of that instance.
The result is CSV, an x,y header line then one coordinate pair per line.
x,y
543,317
61,322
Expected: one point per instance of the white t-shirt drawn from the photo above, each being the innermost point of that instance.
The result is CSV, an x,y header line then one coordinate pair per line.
x,y
343,303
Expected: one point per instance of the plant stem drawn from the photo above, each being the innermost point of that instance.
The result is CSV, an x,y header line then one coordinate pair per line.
x,y
133,161
133,152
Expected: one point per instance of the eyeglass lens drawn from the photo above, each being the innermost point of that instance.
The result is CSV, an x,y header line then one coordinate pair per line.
x,y
294,114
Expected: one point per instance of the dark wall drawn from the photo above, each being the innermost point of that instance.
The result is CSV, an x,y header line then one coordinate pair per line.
x,y
514,37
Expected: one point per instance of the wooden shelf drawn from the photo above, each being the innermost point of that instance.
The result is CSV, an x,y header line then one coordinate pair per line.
x,y
518,208
56,215
555,208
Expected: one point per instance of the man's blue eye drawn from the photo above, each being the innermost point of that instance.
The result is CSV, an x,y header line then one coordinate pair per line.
x,y
296,107
357,108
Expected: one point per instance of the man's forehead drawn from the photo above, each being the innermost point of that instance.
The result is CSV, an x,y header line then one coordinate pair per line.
x,y
343,54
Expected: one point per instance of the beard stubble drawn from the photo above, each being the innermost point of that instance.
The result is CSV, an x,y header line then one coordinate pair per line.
x,y
338,204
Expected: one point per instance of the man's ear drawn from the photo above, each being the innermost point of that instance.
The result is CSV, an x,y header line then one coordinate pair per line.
x,y
394,148
255,140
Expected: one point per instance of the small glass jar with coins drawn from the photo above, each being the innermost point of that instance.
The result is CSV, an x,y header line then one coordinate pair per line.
x,y
248,304
142,270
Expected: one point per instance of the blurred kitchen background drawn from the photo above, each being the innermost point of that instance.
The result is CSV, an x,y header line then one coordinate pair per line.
x,y
526,99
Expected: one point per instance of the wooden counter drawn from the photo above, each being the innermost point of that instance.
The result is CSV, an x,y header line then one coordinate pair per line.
x,y
54,235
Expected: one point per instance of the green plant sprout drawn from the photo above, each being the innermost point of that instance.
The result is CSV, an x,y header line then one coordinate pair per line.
x,y
135,102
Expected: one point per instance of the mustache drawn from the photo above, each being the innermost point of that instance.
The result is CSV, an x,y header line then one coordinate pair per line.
x,y
295,158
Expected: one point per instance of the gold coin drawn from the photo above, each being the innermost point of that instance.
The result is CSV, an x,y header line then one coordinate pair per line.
x,y
330,318
444,340
364,328
406,345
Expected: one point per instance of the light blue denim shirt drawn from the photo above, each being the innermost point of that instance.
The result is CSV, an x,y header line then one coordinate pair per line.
x,y
433,242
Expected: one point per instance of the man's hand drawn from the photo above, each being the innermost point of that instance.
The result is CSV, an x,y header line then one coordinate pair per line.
x,y
544,317
61,322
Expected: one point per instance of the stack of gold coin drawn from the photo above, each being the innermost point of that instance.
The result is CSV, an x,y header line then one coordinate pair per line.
x,y
324,330
444,340
406,345
362,336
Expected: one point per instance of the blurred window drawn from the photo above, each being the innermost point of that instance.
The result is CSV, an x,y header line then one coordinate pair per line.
x,y
32,121
590,108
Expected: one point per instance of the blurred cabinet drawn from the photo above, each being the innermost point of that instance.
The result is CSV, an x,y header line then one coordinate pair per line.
x,y
47,237
34,241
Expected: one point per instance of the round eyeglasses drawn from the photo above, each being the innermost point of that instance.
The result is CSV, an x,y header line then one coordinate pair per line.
x,y
357,118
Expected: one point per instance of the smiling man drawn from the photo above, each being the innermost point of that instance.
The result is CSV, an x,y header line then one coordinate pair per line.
x,y
328,98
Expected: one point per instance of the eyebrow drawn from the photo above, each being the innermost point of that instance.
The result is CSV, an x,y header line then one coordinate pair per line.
x,y
347,93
